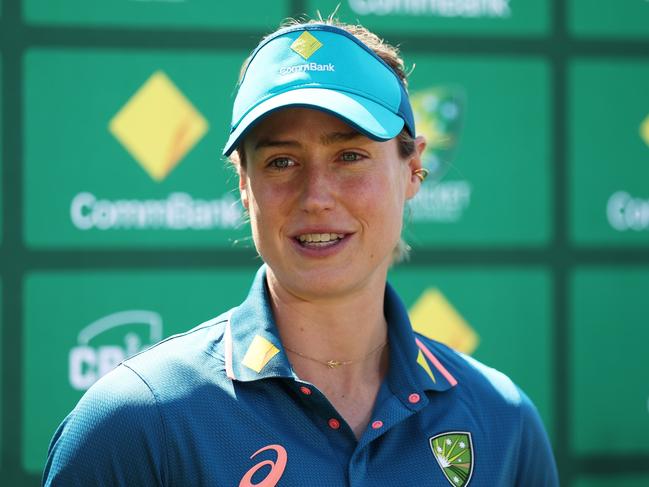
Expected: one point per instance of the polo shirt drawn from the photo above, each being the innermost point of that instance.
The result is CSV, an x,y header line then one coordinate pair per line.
x,y
220,405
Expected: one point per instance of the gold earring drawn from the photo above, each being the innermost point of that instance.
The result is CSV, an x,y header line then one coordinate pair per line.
x,y
422,173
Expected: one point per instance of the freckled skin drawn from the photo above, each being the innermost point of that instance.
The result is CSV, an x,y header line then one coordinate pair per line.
x,y
299,176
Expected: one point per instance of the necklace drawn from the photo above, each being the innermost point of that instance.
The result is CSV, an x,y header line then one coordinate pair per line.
x,y
332,364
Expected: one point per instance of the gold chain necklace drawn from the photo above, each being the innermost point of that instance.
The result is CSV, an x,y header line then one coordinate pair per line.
x,y
332,364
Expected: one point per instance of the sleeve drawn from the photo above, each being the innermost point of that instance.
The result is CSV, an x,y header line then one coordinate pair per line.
x,y
113,437
536,464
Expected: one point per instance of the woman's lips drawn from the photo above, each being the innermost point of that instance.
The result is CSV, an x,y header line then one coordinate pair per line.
x,y
319,239
320,243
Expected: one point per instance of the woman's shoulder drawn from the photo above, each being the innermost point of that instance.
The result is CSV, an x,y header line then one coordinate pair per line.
x,y
206,338
125,413
117,416
483,381
163,372
502,408
177,364
170,366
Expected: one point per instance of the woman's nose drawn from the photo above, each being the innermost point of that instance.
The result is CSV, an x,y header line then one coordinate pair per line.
x,y
318,190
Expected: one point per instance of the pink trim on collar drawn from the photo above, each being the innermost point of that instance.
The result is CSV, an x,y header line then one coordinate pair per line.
x,y
438,365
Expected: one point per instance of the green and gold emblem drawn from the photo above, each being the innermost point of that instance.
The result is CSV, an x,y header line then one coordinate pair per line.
x,y
454,454
439,114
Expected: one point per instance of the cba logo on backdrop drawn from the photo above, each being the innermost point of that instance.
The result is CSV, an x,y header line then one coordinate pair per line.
x,y
438,115
158,126
437,8
435,317
106,342
628,212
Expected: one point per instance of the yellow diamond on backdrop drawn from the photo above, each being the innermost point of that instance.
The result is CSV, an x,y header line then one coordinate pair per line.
x,y
434,317
644,130
158,126
306,45
259,353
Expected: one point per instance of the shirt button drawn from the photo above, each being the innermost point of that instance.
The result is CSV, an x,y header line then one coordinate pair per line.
x,y
334,424
377,424
305,390
413,398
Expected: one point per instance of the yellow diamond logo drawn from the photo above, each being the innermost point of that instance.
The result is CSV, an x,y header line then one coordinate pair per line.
x,y
259,353
434,317
422,361
644,130
158,126
306,45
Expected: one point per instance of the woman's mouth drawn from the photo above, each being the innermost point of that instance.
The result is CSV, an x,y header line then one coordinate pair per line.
x,y
319,240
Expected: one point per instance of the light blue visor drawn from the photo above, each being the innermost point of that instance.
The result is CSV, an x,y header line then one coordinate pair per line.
x,y
323,67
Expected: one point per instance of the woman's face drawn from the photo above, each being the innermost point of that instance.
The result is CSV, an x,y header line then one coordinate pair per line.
x,y
325,202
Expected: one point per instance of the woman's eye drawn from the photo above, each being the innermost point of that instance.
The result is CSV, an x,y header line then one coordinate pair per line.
x,y
280,163
350,156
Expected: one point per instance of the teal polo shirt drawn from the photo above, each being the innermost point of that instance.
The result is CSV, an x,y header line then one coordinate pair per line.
x,y
221,405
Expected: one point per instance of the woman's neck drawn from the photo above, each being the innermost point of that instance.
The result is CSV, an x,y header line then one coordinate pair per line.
x,y
351,330
346,328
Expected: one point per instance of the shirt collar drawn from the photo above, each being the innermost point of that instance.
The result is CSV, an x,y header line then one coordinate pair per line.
x,y
414,366
253,349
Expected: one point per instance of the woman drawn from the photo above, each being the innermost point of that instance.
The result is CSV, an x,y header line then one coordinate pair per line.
x,y
317,378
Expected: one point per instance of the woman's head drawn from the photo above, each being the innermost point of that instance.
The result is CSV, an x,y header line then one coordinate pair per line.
x,y
325,201
323,141
388,53
338,68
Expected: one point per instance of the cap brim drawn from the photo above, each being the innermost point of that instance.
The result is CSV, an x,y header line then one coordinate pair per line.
x,y
366,116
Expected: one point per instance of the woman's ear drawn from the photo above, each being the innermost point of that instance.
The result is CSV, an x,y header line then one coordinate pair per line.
x,y
243,184
414,165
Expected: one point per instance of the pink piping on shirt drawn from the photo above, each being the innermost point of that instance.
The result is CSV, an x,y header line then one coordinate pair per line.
x,y
438,365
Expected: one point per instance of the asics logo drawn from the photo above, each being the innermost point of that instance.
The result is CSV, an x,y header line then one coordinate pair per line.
x,y
276,468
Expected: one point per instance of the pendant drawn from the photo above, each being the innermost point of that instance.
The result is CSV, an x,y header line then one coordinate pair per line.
x,y
332,364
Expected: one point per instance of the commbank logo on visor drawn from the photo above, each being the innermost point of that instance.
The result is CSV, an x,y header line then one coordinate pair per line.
x,y
306,45
302,68
158,126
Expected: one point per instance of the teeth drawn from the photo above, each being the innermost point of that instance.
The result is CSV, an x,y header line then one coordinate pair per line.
x,y
319,237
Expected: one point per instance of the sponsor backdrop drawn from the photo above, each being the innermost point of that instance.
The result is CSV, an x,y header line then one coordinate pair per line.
x,y
133,159
488,17
120,224
194,14
84,323
601,18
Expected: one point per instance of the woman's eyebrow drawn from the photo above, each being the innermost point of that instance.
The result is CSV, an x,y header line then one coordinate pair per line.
x,y
334,137
262,143
325,139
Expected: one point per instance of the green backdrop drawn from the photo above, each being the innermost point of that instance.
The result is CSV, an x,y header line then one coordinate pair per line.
x,y
120,225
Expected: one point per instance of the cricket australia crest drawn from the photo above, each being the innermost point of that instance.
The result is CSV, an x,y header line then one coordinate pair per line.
x,y
439,116
454,454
